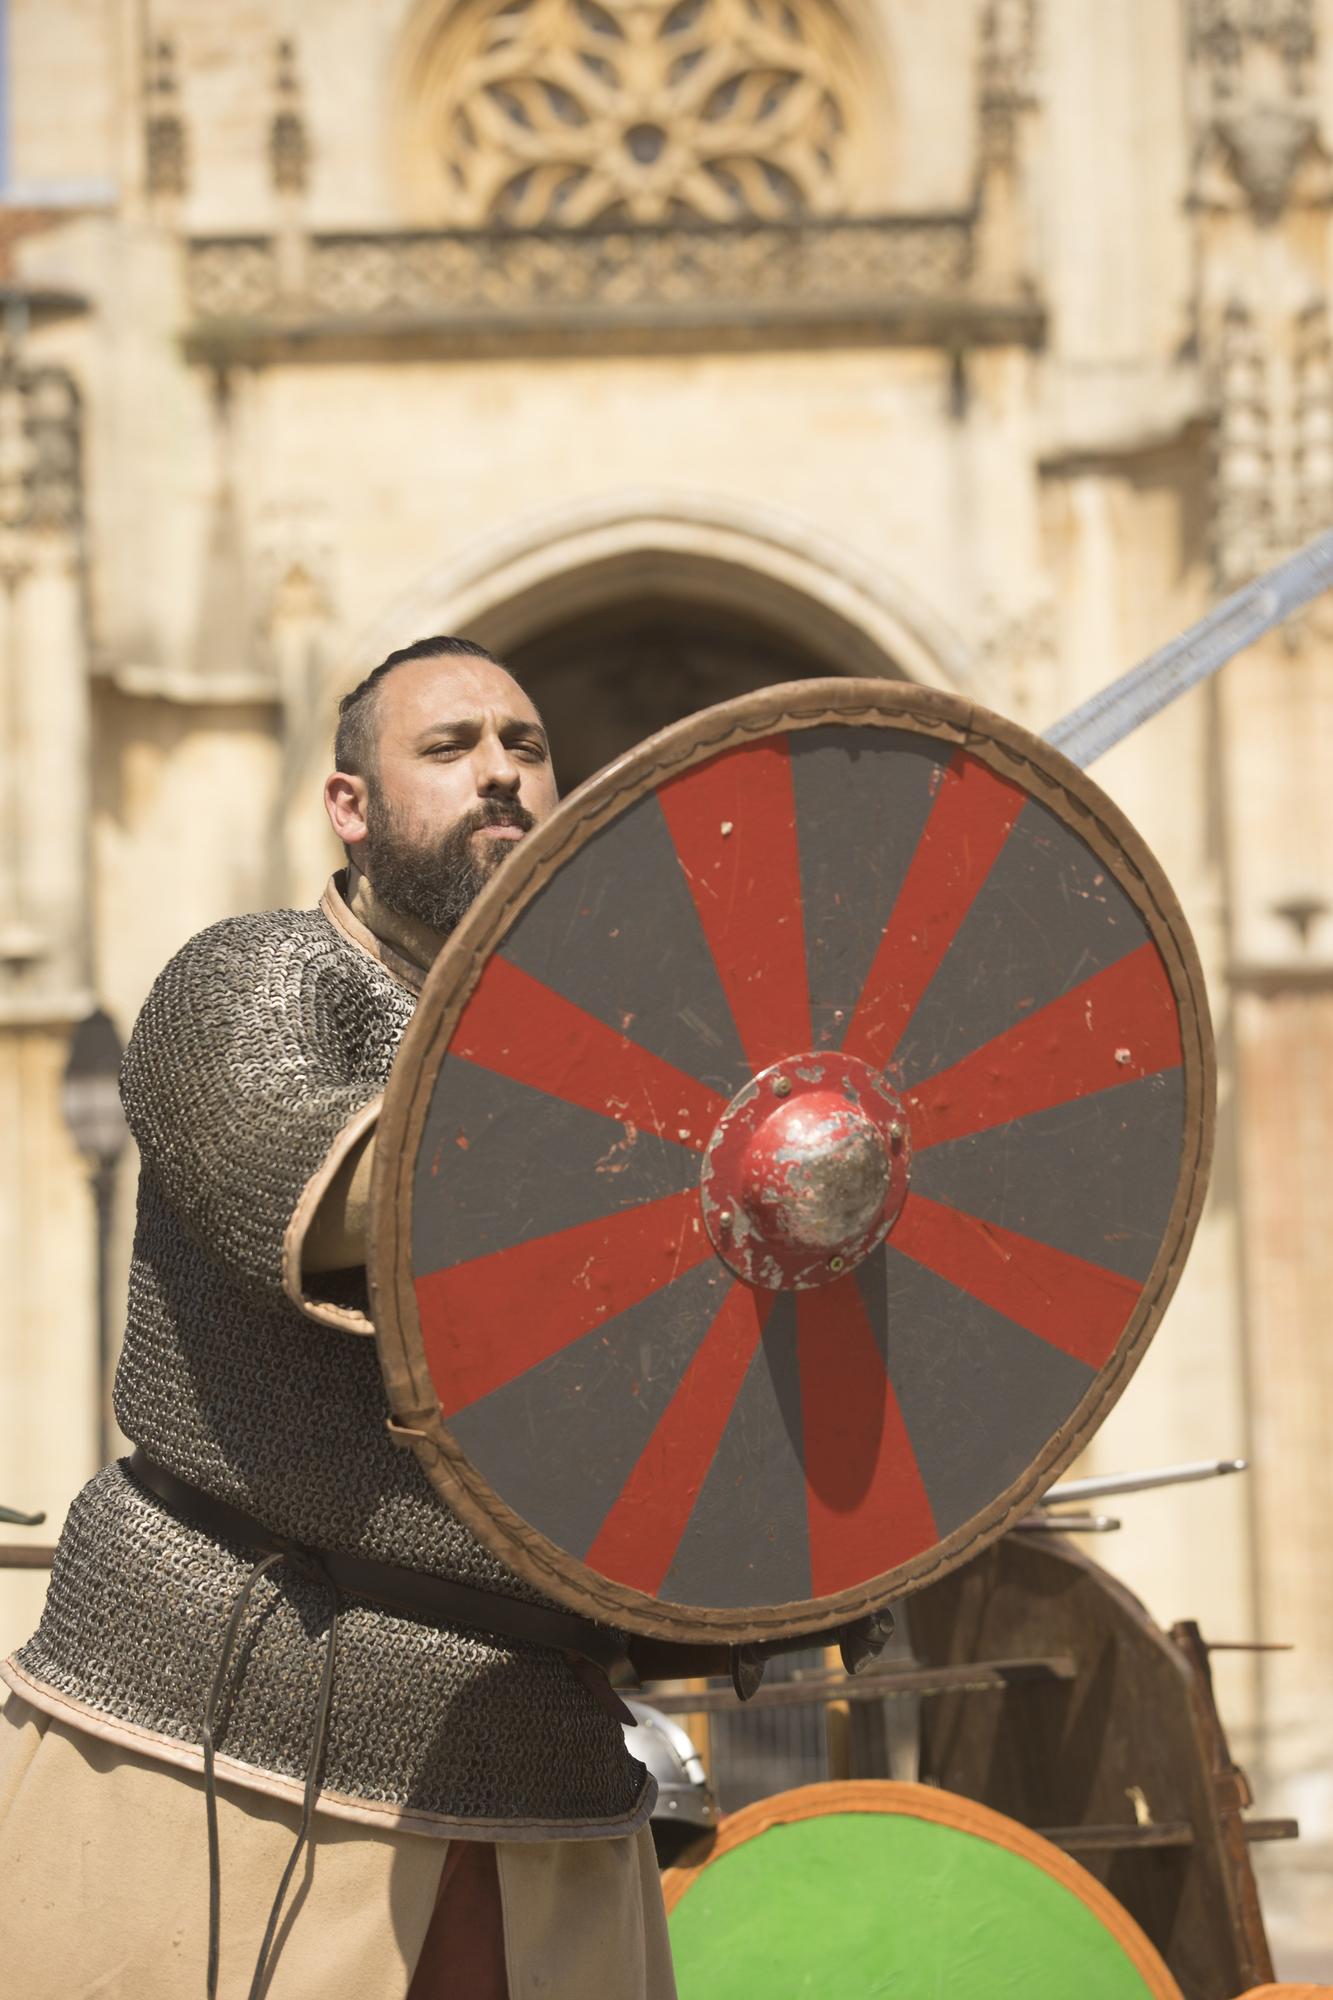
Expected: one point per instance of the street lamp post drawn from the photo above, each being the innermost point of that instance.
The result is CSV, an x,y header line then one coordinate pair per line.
x,y
90,1100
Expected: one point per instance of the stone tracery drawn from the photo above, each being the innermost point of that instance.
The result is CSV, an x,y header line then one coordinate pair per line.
x,y
581,112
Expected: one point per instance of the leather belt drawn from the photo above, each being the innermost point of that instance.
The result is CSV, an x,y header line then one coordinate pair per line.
x,y
413,1593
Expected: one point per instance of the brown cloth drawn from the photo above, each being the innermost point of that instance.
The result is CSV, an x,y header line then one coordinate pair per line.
x,y
464,1948
104,1894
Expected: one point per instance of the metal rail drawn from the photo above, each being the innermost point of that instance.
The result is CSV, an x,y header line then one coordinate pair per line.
x,y
1109,1485
1170,1833
972,1677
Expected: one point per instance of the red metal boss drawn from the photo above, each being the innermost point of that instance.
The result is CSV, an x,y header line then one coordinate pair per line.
x,y
806,1171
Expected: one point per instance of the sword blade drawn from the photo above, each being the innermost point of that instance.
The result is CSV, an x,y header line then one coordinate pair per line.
x,y
1098,724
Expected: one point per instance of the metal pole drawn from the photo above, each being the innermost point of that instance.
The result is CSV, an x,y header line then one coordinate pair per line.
x,y
1106,1486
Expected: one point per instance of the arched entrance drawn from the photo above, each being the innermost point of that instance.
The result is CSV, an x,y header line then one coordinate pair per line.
x,y
625,613
607,678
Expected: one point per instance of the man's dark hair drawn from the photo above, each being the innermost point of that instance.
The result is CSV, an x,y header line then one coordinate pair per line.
x,y
354,744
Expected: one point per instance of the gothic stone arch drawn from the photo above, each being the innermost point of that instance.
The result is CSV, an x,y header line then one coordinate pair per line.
x,y
852,616
740,565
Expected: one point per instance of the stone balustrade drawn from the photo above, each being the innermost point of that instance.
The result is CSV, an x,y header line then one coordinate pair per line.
x,y
892,277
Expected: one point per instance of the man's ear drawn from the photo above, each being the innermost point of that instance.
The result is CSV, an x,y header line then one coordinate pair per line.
x,y
345,802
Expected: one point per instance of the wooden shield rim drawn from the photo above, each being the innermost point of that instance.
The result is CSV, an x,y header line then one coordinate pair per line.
x,y
954,722
940,1808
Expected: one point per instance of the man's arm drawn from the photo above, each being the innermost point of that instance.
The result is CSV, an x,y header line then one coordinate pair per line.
x,y
247,1108
336,1237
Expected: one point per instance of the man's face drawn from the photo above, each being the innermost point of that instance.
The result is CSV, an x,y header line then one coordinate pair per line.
x,y
462,772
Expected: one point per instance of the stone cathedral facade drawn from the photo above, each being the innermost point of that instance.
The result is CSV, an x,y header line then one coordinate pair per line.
x,y
672,347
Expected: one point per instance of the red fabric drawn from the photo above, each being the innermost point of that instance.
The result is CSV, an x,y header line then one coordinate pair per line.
x,y
463,1956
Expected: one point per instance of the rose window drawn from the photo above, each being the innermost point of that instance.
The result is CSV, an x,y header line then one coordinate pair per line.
x,y
579,112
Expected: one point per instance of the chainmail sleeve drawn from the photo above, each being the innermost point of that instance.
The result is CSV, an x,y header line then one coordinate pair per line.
x,y
243,1073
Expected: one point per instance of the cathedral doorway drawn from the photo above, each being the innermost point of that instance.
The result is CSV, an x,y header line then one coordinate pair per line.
x,y
609,677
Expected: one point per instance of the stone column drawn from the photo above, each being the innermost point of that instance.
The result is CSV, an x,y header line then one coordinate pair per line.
x,y
1262,196
48,1232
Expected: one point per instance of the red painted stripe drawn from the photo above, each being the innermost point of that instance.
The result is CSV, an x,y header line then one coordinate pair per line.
x,y
1116,1027
489,1320
637,1542
968,825
733,822
1076,1306
520,1028
866,1502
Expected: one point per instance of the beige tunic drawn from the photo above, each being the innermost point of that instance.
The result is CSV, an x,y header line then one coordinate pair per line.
x,y
104,1890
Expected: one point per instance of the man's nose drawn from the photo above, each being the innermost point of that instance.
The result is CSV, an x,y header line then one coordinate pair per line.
x,y
497,773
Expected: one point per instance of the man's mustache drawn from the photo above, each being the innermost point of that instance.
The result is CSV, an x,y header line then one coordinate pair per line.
x,y
495,812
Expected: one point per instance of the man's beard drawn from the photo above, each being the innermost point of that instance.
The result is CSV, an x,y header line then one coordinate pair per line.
x,y
437,884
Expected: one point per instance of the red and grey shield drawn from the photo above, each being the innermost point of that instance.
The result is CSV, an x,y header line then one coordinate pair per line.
x,y
791,1157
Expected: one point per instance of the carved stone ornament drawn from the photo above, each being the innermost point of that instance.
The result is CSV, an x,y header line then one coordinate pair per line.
x,y
1006,74
294,564
578,112
1223,31
1017,654
1008,57
1264,145
1313,421
1245,528
1272,377
40,458
166,155
1009,46
288,144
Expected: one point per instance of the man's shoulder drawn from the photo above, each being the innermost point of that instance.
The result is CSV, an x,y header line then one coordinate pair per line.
x,y
263,959
275,928
256,939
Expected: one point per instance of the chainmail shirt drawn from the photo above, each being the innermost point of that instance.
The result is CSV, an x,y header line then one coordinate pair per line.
x,y
259,1043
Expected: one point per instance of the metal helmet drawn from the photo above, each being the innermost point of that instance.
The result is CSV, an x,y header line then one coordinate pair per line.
x,y
684,1797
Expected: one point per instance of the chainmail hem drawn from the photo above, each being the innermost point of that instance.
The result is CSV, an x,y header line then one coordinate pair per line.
x,y
429,1719
390,1818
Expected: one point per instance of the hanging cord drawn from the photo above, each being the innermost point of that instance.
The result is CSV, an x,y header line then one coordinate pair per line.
x,y
264,1964
238,1611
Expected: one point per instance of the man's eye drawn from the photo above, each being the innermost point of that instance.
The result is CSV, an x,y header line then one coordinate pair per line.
x,y
446,750
535,753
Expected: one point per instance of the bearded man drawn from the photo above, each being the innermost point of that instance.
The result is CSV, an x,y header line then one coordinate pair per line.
x,y
270,1659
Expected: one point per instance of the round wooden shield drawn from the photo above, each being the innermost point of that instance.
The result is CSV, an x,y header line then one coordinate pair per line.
x,y
1302,1991
875,1888
790,1159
